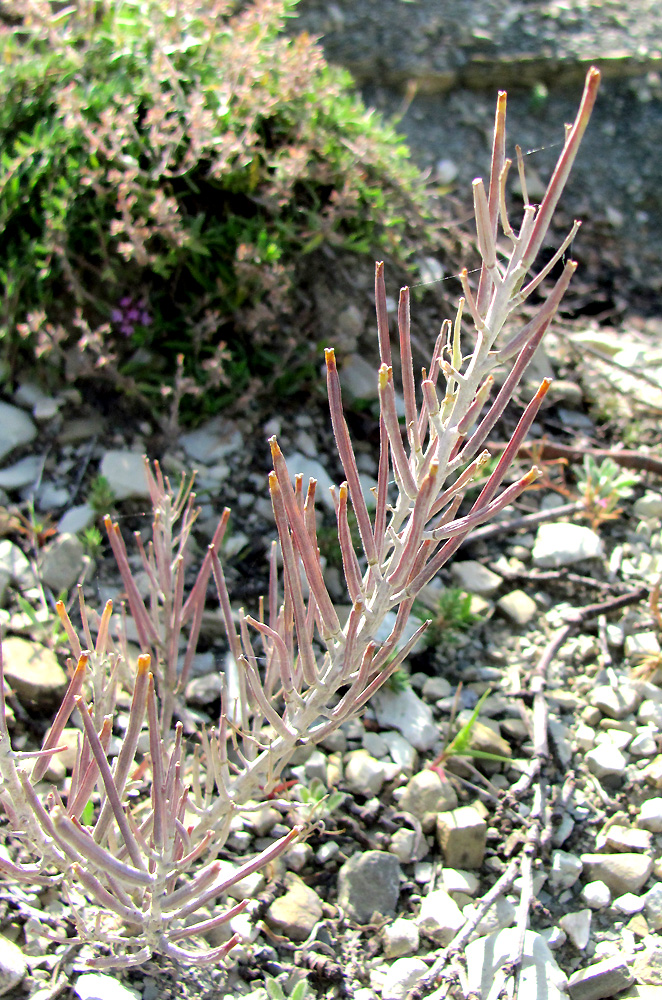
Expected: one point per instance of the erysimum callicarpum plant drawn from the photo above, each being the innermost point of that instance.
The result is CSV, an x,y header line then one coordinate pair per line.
x,y
136,833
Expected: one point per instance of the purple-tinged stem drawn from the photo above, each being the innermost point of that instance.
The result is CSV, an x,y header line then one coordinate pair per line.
x,y
348,458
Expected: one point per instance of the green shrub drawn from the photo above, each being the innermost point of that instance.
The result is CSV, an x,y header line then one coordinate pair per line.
x,y
165,169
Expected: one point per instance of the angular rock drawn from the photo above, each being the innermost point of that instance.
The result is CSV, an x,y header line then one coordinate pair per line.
x,y
560,544
366,775
653,907
22,473
400,938
647,965
649,505
427,794
400,751
616,702
212,442
402,977
497,918
577,926
650,713
607,763
603,979
369,883
33,671
624,838
475,578
125,472
566,869
97,986
15,565
440,917
13,965
76,519
518,606
643,744
295,913
404,711
62,563
597,895
650,815
540,973
16,428
629,904
462,835
621,872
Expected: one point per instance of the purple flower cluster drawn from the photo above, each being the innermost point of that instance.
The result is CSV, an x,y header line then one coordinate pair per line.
x,y
130,313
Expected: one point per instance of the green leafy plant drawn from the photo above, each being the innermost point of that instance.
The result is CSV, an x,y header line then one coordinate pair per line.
x,y
276,992
602,487
165,171
461,744
101,496
318,801
92,540
451,613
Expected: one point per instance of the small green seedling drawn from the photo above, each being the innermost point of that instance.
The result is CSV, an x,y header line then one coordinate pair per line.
x,y
451,614
101,496
460,745
92,540
319,802
602,487
276,991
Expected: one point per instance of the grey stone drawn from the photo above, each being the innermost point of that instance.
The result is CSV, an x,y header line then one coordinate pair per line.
x,y
22,473
462,835
650,712
440,917
621,872
616,702
359,378
15,565
647,965
603,979
625,838
639,645
16,428
628,904
32,671
425,795
62,563
650,815
96,986
400,751
212,442
295,913
577,926
401,977
366,775
643,744
408,846
404,711
518,606
607,763
400,938
540,973
566,869
498,917
76,519
653,907
649,505
560,544
475,578
369,883
13,965
436,688
597,895
125,472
